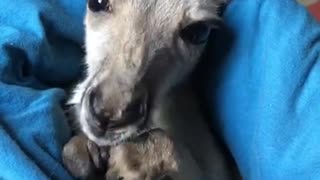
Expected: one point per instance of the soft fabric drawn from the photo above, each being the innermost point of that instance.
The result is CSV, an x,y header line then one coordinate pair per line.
x,y
263,88
40,53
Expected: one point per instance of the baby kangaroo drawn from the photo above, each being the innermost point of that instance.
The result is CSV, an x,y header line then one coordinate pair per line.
x,y
138,55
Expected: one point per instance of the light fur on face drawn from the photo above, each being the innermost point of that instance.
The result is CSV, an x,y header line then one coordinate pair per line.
x,y
135,50
136,45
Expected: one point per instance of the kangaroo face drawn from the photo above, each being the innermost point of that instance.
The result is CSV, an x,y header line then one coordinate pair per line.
x,y
137,50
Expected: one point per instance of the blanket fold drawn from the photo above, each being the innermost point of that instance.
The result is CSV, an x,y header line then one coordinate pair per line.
x,y
40,53
266,90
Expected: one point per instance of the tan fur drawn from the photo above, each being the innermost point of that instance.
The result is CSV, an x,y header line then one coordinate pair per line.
x,y
151,157
147,157
137,46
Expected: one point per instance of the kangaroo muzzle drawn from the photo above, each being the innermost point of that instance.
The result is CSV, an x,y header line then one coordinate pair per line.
x,y
111,109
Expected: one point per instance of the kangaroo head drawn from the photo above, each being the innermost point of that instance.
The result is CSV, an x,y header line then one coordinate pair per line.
x,y
135,51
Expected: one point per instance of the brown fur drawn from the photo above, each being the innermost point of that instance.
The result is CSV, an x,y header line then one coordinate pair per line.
x,y
149,156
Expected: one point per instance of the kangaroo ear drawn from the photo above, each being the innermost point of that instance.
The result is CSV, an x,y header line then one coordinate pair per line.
x,y
98,5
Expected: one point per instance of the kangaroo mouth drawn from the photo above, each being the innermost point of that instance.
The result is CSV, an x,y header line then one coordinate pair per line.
x,y
106,128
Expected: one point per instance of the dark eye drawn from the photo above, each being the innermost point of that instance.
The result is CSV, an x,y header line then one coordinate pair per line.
x,y
98,5
196,33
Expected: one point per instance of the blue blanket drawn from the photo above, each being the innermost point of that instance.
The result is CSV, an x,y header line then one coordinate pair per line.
x,y
265,97
263,87
40,53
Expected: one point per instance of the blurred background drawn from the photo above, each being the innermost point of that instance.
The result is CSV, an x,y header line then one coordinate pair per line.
x,y
313,6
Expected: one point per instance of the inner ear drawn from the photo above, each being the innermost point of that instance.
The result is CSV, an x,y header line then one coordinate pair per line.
x,y
99,5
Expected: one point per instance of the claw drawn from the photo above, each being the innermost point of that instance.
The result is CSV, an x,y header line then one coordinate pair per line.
x,y
99,156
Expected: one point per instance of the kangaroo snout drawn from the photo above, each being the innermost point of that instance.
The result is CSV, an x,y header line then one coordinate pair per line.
x,y
112,109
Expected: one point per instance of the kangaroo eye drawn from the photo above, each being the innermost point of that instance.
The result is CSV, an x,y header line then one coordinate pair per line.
x,y
196,33
98,5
